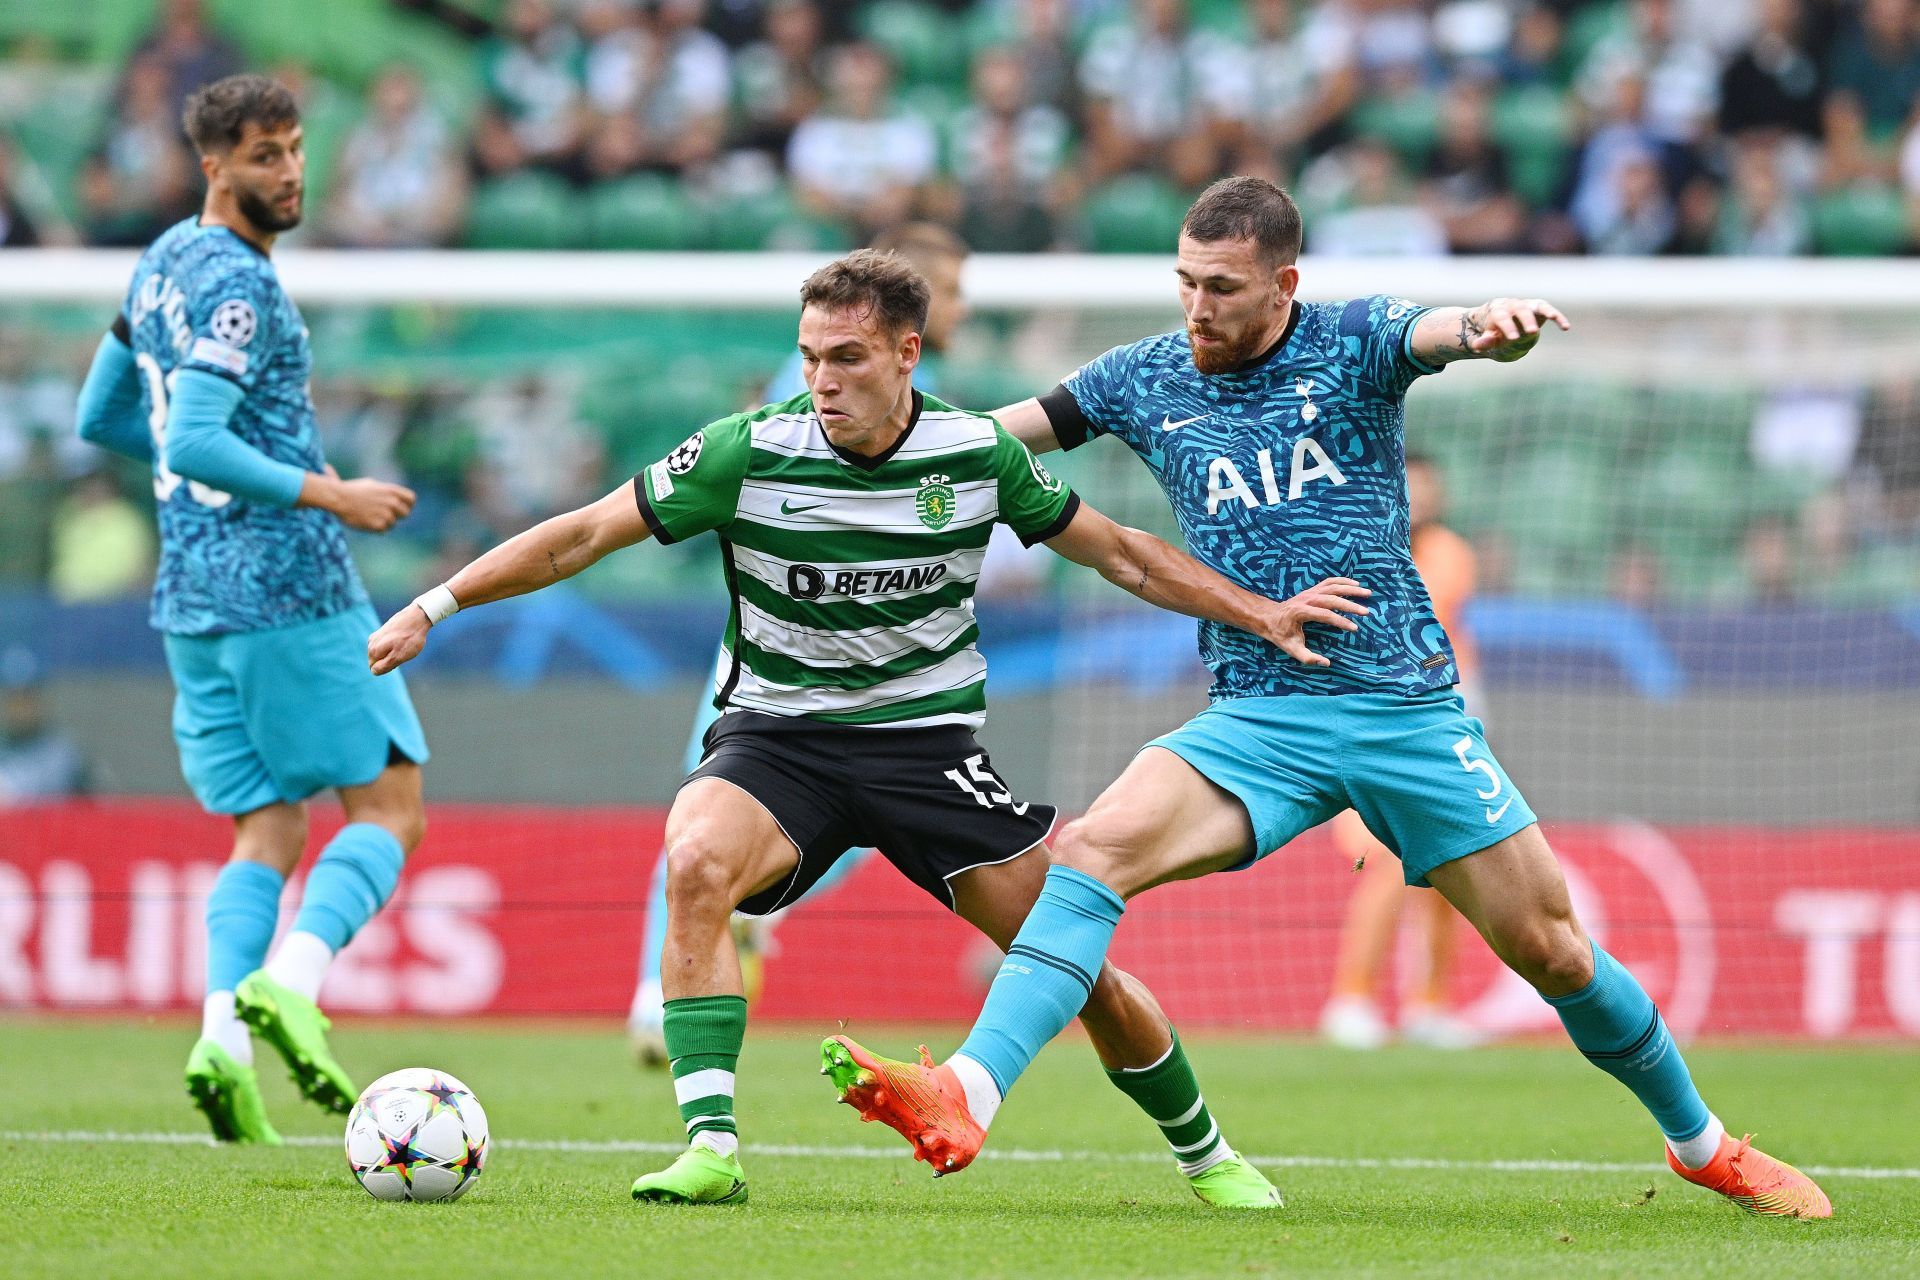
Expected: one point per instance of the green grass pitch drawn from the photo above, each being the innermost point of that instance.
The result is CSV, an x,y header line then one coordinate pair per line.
x,y
1073,1184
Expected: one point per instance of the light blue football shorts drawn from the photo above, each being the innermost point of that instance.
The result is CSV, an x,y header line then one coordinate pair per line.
x,y
264,717
1417,770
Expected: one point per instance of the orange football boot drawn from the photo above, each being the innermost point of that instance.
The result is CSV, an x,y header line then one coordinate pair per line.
x,y
1756,1181
923,1103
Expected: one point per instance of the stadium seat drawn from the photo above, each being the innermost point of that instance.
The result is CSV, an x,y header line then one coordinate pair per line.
x,y
922,41
935,103
1134,214
1534,127
1570,507
745,223
1690,503
525,211
1408,123
58,132
645,212
1861,222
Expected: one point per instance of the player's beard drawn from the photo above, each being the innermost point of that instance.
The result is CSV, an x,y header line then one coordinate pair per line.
x,y
1224,357
261,213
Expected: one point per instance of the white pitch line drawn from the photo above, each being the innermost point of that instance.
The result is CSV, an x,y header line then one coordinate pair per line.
x,y
1012,1155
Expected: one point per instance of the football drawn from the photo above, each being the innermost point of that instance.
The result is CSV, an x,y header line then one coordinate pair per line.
x,y
417,1134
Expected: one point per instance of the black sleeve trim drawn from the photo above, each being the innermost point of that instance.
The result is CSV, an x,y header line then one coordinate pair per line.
x,y
1071,426
647,513
1059,525
122,330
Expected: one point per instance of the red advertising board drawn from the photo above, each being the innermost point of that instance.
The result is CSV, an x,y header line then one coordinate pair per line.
x,y
510,909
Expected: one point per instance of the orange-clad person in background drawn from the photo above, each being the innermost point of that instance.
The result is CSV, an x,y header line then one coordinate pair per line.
x,y
1352,1016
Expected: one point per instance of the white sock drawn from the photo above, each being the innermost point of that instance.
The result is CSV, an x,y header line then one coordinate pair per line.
x,y
725,1144
983,1095
1696,1151
219,1024
301,963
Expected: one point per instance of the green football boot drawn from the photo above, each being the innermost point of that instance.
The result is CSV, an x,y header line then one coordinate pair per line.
x,y
228,1094
295,1027
701,1175
1236,1184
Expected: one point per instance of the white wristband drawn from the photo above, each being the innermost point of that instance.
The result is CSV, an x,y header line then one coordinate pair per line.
x,y
438,604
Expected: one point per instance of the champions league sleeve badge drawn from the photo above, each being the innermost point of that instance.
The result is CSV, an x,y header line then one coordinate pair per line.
x,y
686,453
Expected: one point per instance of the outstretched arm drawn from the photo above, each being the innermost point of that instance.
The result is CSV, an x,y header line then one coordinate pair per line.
x,y
1163,576
1028,423
543,555
1504,329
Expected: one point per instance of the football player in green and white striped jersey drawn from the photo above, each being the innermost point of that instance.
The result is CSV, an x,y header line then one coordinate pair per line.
x,y
852,521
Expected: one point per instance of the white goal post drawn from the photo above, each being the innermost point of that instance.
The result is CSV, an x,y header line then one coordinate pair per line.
x,y
725,281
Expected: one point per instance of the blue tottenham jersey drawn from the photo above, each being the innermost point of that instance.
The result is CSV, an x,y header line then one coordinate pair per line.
x,y
1283,474
203,298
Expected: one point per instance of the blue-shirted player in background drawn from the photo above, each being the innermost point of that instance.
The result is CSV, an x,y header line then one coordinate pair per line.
x,y
937,254
262,613
1275,428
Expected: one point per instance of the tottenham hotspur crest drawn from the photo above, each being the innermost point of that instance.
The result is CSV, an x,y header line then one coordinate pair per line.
x,y
934,502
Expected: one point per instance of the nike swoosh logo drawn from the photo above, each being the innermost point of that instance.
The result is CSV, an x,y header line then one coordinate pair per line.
x,y
788,509
1168,424
732,1191
1494,815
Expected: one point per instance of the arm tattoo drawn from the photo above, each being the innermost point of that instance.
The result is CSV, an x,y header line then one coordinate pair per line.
x,y
1470,329
554,565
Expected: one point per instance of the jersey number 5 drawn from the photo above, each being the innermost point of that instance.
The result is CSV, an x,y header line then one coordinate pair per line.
x,y
996,791
165,482
1473,764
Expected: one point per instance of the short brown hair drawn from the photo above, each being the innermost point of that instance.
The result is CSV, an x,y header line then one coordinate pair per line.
x,y
882,285
217,114
1247,209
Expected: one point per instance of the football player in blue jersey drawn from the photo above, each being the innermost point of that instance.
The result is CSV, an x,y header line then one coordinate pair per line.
x,y
938,255
260,609
1275,427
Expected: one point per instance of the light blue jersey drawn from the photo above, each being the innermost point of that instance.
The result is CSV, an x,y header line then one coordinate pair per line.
x,y
1281,474
204,299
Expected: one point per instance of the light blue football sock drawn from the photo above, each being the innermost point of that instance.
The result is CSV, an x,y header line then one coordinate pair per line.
x,y
1614,1022
353,878
242,910
1048,974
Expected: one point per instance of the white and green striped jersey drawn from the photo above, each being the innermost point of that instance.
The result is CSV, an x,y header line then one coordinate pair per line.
x,y
853,577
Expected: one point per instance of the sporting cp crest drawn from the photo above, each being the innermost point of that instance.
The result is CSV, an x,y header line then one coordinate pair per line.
x,y
934,502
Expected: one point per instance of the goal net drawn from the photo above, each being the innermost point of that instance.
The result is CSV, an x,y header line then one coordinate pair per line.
x,y
1696,521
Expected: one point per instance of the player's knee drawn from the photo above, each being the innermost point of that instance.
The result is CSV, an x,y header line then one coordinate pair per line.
x,y
1101,848
406,823
409,827
1554,956
700,874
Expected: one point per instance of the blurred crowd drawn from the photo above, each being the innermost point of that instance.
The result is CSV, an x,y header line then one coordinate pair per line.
x,y
1796,497
1404,126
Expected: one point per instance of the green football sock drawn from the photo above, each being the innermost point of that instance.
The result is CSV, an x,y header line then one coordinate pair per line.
x,y
704,1035
1170,1095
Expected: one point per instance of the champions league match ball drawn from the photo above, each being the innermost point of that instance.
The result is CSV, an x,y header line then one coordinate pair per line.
x,y
417,1134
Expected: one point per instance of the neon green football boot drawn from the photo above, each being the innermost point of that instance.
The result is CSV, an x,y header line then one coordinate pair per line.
x,y
295,1027
1236,1184
228,1094
701,1175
